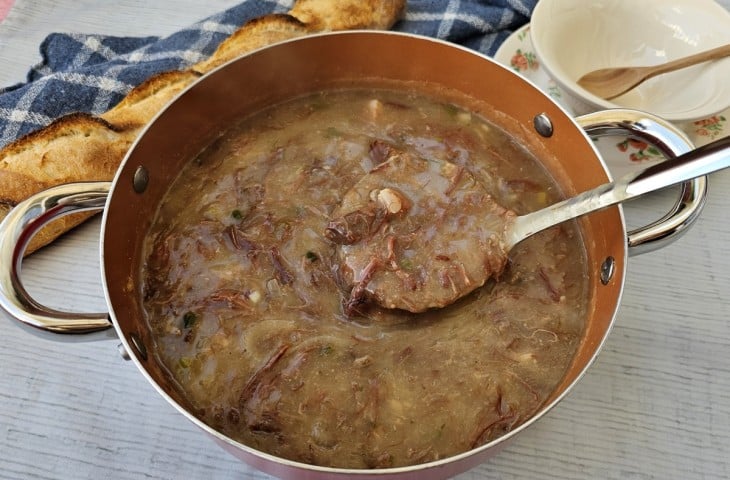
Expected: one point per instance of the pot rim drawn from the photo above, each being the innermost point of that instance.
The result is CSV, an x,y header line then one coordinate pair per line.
x,y
436,464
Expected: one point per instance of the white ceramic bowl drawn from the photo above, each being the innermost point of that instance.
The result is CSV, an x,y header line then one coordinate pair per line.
x,y
574,37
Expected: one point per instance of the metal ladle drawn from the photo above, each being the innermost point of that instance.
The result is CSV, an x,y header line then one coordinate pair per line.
x,y
490,236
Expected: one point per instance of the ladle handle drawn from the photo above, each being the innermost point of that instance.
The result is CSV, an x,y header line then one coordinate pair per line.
x,y
696,163
16,230
701,161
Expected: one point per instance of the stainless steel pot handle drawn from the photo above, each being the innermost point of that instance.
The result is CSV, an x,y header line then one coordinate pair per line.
x,y
672,142
16,230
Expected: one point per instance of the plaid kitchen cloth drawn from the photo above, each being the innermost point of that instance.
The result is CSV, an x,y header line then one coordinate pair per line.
x,y
92,73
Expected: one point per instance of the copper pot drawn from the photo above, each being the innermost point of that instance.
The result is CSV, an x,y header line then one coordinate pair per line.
x,y
312,64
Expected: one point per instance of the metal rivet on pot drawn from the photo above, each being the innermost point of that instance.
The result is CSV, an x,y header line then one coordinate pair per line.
x,y
607,270
123,352
141,179
138,345
543,125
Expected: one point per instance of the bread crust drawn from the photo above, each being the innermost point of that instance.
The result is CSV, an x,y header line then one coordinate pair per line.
x,y
83,147
351,14
144,101
259,32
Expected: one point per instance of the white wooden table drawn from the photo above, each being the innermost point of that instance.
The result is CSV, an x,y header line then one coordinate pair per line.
x,y
656,404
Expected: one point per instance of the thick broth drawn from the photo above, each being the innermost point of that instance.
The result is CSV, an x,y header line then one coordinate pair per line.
x,y
243,294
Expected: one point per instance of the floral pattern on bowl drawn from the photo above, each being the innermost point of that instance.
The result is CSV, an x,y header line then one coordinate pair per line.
x,y
621,155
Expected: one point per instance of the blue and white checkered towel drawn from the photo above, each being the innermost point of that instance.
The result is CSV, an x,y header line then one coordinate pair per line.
x,y
91,73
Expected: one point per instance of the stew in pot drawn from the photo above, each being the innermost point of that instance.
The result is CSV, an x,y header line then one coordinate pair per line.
x,y
253,308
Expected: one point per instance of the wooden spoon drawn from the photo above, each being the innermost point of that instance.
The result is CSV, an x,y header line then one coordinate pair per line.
x,y
609,83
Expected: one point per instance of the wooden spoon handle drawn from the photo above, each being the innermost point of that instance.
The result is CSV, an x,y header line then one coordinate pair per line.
x,y
684,62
